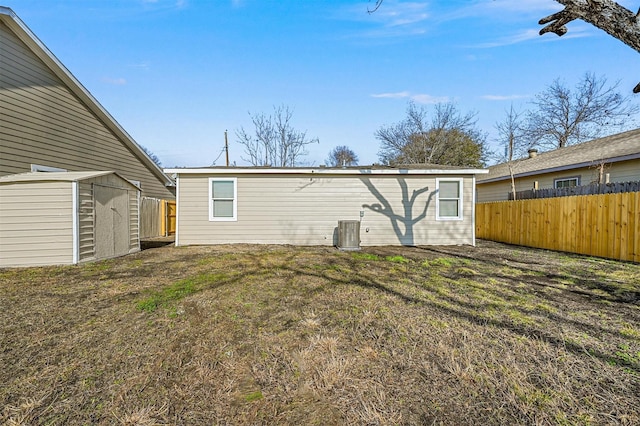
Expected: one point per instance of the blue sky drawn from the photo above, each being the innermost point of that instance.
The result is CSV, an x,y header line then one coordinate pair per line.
x,y
177,73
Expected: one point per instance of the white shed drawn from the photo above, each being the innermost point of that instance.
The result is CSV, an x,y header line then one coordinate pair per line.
x,y
57,218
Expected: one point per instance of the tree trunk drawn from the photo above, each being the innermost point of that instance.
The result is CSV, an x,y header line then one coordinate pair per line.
x,y
607,15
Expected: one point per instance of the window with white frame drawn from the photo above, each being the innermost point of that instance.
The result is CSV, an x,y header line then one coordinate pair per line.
x,y
449,199
223,199
41,168
566,182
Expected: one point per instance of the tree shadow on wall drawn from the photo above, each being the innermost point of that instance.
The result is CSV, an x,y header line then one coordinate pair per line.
x,y
403,224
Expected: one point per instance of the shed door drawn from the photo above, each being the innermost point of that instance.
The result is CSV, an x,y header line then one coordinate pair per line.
x,y
112,221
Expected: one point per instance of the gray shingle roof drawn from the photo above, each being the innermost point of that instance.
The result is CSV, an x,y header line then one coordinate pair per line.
x,y
618,147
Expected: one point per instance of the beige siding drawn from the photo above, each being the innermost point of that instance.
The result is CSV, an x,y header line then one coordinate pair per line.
x,y
36,224
623,171
36,221
44,123
305,210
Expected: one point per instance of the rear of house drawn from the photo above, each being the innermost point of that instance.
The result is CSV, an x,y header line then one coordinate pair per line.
x,y
304,205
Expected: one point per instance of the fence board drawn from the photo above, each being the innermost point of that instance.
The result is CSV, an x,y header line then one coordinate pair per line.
x,y
634,204
157,217
150,217
604,225
596,188
171,218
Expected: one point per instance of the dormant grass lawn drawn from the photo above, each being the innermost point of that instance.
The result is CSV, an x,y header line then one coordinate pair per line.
x,y
245,334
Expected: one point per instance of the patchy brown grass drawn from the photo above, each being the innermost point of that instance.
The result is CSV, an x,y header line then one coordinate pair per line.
x,y
296,335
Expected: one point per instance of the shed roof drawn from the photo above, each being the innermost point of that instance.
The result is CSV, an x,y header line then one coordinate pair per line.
x,y
20,29
57,177
619,147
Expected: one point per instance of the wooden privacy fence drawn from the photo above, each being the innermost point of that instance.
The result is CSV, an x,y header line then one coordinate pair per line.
x,y
604,225
157,217
596,188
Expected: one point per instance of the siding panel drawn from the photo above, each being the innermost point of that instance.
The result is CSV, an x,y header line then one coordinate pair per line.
x,y
31,235
302,210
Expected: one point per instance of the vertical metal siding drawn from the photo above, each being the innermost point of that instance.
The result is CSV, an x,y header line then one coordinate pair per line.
x,y
86,225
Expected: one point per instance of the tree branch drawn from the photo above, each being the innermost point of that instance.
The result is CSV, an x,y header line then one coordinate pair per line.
x,y
607,15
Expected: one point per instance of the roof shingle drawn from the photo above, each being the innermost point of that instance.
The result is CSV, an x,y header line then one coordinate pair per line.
x,y
618,147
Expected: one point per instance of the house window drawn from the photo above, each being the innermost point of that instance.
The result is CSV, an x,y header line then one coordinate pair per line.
x,y
223,198
449,199
566,182
41,168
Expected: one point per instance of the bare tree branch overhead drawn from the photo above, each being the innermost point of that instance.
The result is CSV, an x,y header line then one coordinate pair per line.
x,y
376,6
608,15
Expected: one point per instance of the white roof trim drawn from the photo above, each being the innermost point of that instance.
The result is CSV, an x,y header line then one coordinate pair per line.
x,y
322,171
30,177
23,32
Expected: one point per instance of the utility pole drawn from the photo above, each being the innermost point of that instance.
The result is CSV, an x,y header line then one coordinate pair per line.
x,y
226,146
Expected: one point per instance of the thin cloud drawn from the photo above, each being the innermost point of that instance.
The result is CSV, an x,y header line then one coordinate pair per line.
x,y
504,97
178,4
532,34
141,65
114,81
392,20
525,35
504,10
420,98
402,14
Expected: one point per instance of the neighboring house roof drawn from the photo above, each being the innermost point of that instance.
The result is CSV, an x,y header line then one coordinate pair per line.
x,y
19,28
420,169
57,176
610,149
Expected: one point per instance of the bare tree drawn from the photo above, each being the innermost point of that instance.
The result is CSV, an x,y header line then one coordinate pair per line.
x,y
274,141
511,135
562,117
151,155
342,156
448,138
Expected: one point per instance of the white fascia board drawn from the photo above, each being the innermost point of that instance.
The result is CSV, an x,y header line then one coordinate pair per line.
x,y
321,171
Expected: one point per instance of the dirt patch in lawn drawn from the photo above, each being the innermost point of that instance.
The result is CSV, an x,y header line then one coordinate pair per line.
x,y
247,334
